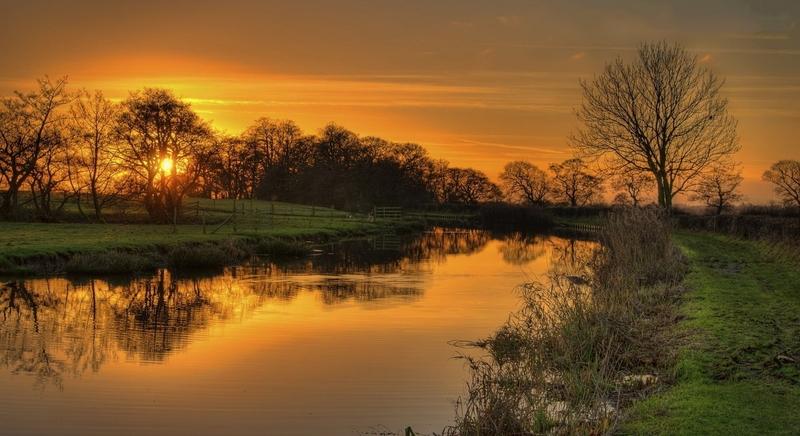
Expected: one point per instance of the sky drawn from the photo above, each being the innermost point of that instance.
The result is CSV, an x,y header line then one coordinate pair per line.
x,y
479,83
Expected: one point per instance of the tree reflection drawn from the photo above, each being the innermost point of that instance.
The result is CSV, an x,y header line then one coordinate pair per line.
x,y
57,327
521,249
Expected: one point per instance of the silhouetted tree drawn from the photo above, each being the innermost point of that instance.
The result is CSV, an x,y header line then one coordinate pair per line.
x,y
785,175
92,162
525,182
162,140
470,186
28,127
51,175
662,114
718,188
573,183
633,185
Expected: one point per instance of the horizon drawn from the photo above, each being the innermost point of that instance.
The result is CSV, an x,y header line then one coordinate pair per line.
x,y
476,87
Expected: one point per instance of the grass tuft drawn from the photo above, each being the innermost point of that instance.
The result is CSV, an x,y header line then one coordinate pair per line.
x,y
109,262
565,362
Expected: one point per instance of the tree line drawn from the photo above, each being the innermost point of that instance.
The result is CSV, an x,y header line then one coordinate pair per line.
x,y
60,146
657,122
153,147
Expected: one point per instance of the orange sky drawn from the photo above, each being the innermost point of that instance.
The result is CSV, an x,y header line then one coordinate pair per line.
x,y
477,83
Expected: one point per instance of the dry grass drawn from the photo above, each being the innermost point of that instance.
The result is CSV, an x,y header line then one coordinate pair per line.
x,y
582,347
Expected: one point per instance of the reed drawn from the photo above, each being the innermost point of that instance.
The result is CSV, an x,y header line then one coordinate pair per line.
x,y
582,347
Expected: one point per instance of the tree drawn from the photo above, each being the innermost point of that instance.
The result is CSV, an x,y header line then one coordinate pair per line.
x,y
662,114
268,146
573,183
785,175
469,186
718,188
28,126
51,174
92,161
632,185
162,142
524,181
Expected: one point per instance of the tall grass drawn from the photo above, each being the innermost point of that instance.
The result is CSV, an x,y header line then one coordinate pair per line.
x,y
581,347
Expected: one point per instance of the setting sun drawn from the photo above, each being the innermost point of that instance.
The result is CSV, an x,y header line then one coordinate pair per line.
x,y
166,164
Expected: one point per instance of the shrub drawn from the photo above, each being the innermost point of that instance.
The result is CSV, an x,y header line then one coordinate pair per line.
x,y
564,362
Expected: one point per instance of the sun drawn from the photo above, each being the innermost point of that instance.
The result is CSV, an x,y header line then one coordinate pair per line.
x,y
166,165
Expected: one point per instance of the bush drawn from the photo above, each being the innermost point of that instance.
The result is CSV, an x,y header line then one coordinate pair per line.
x,y
565,362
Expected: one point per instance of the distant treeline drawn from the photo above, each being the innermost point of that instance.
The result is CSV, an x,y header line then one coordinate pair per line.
x,y
61,146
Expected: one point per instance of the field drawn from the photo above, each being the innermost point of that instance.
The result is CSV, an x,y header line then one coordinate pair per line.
x,y
738,371
206,220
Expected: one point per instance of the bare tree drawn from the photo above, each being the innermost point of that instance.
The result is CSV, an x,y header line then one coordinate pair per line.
x,y
162,139
51,174
661,113
93,166
718,188
27,128
469,186
785,175
573,183
631,186
524,181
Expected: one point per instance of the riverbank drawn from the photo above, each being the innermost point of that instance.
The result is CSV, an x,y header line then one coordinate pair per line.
x,y
738,369
588,341
46,248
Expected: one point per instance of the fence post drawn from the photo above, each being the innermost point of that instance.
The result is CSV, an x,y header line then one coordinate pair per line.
x,y
233,216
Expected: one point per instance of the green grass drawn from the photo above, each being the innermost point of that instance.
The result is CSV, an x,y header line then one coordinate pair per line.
x,y
738,371
213,210
24,240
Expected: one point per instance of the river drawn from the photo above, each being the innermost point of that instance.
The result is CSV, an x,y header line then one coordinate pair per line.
x,y
352,340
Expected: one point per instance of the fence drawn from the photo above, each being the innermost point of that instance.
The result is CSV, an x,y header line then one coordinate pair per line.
x,y
387,212
255,215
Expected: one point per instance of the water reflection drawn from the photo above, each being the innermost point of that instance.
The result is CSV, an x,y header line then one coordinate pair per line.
x,y
57,329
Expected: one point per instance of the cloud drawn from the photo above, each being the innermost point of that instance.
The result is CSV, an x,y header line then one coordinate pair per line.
x,y
706,58
578,56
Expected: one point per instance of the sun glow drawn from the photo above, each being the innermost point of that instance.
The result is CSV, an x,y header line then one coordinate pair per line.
x,y
166,165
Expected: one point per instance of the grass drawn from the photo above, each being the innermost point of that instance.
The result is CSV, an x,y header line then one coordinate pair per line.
x,y
586,343
132,210
738,371
22,243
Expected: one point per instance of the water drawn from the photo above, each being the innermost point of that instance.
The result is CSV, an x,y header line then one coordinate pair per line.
x,y
353,340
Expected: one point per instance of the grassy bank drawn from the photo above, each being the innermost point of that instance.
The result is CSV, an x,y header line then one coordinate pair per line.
x,y
587,342
738,370
40,247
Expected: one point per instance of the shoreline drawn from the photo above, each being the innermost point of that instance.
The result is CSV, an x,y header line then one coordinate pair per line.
x,y
36,249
